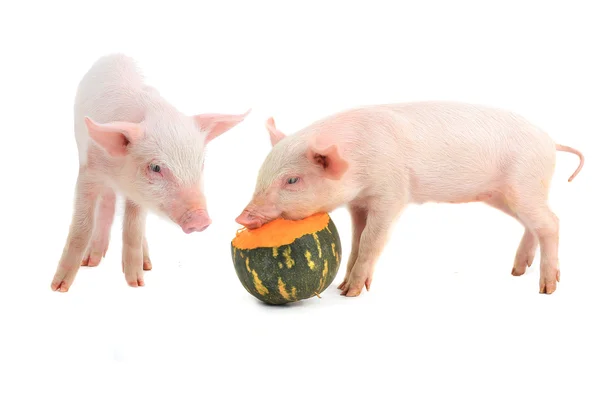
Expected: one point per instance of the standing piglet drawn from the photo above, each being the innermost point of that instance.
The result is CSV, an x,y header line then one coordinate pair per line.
x,y
132,141
378,159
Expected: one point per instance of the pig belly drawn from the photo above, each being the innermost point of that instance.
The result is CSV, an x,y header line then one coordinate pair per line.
x,y
455,189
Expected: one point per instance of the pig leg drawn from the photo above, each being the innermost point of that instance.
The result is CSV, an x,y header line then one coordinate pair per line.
x,y
529,242
525,253
542,221
101,236
80,232
380,219
529,201
147,262
359,220
527,195
134,225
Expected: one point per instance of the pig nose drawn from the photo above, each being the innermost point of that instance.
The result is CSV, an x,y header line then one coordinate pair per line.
x,y
195,221
248,220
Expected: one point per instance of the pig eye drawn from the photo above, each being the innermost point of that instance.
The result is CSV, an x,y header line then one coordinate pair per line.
x,y
155,168
291,181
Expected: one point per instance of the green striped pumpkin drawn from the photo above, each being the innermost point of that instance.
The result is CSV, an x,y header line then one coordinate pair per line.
x,y
287,261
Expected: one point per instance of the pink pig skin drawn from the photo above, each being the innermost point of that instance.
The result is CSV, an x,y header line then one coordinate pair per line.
x,y
378,159
133,142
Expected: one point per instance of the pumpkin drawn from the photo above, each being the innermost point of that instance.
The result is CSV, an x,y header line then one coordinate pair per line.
x,y
286,261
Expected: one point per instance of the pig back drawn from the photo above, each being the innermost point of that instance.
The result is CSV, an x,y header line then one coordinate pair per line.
x,y
452,151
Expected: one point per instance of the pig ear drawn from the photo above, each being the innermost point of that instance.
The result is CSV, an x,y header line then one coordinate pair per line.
x,y
114,137
216,124
328,158
275,134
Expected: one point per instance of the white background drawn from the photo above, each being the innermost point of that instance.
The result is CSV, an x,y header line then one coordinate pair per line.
x,y
444,317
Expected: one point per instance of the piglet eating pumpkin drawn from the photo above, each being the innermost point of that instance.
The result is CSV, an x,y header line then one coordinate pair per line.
x,y
378,159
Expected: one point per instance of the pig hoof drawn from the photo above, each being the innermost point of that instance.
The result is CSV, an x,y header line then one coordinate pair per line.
x,y
342,285
520,266
92,259
548,284
135,278
522,262
547,287
147,264
136,283
353,289
352,292
60,287
63,280
95,253
353,285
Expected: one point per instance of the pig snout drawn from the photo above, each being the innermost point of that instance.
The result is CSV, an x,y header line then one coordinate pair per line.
x,y
194,221
249,220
